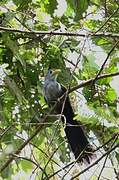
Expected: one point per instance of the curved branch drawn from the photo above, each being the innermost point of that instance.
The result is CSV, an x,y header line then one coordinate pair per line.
x,y
33,162
83,84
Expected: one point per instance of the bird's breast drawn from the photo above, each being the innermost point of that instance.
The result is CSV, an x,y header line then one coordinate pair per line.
x,y
52,91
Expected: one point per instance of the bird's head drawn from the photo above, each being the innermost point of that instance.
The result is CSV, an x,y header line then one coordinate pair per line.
x,y
52,74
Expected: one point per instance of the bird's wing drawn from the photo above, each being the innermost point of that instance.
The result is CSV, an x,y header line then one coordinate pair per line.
x,y
63,89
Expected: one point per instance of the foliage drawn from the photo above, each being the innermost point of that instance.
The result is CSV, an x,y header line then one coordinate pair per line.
x,y
24,60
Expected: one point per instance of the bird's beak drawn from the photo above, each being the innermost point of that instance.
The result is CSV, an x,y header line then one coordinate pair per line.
x,y
56,71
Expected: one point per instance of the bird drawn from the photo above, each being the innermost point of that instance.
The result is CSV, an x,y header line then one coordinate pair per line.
x,y
55,96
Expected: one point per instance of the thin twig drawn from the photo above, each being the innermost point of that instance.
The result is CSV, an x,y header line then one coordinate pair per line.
x,y
75,161
108,141
44,153
106,158
107,20
68,165
30,160
52,156
102,67
5,131
69,61
93,164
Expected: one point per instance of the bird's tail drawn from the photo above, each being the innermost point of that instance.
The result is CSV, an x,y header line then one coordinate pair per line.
x,y
77,139
78,142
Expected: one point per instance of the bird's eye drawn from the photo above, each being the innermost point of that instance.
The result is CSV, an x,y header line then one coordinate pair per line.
x,y
50,71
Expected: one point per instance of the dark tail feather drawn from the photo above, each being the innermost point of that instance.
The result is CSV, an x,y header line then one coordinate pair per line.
x,y
78,141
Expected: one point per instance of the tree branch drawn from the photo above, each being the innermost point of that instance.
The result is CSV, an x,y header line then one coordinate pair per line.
x,y
102,67
45,119
73,162
108,18
83,84
24,144
52,33
106,158
30,160
93,164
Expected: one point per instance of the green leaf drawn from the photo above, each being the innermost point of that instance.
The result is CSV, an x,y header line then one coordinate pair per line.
x,y
79,7
8,56
50,6
117,156
14,89
7,171
104,81
89,66
26,165
13,46
22,4
111,95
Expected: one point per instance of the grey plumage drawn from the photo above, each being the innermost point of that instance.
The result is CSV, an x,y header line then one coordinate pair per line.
x,y
52,89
